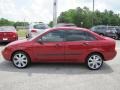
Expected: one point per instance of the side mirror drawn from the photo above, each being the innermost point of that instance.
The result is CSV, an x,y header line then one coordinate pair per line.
x,y
40,41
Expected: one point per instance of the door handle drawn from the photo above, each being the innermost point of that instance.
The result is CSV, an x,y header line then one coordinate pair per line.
x,y
85,44
58,45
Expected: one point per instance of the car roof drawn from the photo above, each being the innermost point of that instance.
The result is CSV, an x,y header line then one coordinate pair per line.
x,y
65,25
67,28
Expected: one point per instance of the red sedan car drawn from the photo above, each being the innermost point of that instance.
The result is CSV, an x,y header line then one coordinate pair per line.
x,y
64,44
8,34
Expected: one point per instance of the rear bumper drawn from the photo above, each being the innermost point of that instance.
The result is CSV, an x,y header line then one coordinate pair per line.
x,y
110,55
9,40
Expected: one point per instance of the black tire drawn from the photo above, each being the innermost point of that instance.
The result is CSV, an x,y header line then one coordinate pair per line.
x,y
101,34
116,37
97,60
26,36
22,61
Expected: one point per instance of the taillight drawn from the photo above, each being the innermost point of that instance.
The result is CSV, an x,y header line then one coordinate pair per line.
x,y
34,31
14,34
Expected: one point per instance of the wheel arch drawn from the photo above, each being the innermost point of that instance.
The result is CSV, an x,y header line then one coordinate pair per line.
x,y
20,51
99,53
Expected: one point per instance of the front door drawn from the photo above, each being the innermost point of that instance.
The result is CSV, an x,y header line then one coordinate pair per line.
x,y
51,47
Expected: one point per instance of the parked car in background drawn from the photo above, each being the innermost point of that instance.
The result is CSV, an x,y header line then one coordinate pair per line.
x,y
8,34
65,44
36,28
65,25
118,31
103,30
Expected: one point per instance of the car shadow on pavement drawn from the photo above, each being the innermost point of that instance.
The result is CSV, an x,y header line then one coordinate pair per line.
x,y
69,69
3,43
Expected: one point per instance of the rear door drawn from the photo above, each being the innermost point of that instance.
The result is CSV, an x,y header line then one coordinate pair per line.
x,y
77,45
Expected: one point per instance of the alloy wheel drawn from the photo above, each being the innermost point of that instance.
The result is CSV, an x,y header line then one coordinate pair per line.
x,y
94,62
20,60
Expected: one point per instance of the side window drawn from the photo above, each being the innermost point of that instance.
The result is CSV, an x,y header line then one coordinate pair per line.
x,y
90,37
74,35
100,28
53,36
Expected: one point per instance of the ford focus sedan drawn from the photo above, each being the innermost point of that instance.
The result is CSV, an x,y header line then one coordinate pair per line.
x,y
62,45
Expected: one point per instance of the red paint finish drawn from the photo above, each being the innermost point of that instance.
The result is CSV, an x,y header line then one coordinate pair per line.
x,y
8,36
35,31
77,50
49,52
63,51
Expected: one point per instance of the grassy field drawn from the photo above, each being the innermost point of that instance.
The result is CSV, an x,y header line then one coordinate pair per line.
x,y
21,32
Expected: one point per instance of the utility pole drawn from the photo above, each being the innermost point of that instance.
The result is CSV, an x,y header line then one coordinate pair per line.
x,y
93,12
93,5
54,12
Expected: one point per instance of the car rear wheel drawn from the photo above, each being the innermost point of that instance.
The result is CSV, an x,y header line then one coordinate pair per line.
x,y
94,61
116,37
20,59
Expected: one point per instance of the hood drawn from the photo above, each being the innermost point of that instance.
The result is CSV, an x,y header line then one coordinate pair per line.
x,y
18,42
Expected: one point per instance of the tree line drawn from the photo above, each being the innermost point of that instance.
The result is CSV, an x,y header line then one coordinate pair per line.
x,y
84,17
5,22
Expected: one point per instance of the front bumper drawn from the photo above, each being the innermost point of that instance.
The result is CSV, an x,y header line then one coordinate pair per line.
x,y
7,53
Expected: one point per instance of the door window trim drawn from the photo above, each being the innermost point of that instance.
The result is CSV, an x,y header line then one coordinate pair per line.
x,y
40,37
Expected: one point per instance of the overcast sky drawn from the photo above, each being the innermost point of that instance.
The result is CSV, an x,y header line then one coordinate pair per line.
x,y
42,10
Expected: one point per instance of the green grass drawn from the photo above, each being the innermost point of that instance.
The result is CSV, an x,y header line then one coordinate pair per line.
x,y
21,32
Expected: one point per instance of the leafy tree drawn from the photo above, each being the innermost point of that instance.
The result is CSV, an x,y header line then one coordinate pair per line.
x,y
83,17
50,24
21,24
5,22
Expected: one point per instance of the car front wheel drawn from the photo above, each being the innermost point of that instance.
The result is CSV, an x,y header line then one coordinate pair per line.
x,y
94,61
20,59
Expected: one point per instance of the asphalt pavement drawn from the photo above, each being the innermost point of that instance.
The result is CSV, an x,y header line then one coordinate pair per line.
x,y
60,76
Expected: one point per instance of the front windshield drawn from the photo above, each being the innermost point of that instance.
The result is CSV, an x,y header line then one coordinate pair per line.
x,y
32,38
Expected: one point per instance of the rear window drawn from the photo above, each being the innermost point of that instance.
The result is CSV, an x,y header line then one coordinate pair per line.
x,y
75,35
40,26
7,29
